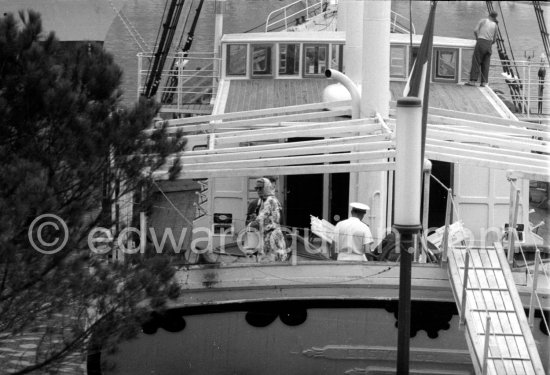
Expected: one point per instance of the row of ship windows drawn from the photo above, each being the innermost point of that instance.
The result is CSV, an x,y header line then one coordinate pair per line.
x,y
287,60
259,60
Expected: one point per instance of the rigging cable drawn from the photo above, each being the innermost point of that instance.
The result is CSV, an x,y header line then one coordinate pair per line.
x,y
129,28
507,36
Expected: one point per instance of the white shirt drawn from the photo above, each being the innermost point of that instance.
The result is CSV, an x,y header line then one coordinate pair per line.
x,y
351,235
486,29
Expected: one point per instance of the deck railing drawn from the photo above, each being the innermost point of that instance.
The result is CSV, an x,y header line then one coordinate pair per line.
x,y
193,78
288,15
302,10
515,247
535,93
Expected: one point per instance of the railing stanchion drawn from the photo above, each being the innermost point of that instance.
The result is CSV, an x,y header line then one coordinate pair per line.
x,y
512,229
511,215
447,223
486,344
534,290
464,290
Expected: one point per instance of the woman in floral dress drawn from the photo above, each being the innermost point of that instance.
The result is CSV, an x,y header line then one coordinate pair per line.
x,y
267,220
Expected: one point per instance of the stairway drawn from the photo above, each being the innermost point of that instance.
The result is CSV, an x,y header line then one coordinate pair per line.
x,y
491,312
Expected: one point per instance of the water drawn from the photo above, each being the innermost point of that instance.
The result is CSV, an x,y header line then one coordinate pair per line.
x,y
454,19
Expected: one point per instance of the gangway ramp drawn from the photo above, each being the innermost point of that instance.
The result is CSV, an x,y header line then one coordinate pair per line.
x,y
491,312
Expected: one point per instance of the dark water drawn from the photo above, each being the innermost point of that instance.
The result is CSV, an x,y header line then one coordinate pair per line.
x,y
455,19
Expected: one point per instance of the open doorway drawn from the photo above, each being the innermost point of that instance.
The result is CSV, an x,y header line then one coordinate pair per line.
x,y
304,197
339,197
443,171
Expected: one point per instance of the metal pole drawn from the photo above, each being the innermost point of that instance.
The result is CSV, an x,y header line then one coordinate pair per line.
x,y
405,244
408,197
511,216
140,67
464,289
447,224
512,228
534,290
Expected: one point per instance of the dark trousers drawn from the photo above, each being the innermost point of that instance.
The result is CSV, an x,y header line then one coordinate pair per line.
x,y
481,60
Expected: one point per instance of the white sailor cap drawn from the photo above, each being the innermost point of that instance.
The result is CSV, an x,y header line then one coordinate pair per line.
x,y
359,206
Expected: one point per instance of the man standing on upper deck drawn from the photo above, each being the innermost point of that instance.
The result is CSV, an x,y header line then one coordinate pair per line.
x,y
485,33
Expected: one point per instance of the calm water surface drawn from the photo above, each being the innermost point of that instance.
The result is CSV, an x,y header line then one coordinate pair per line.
x,y
454,19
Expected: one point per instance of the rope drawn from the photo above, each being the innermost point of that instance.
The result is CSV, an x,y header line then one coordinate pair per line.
x,y
172,204
129,27
507,36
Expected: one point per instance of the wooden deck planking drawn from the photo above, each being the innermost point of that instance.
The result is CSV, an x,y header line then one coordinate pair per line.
x,y
508,345
453,97
247,95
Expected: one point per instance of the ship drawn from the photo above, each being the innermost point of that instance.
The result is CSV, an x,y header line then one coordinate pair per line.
x,y
315,107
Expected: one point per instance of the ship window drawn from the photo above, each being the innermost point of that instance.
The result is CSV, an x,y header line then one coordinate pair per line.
x,y
397,61
289,59
315,59
261,60
236,60
336,57
445,65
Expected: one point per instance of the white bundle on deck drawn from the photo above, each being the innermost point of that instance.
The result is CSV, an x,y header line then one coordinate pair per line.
x,y
322,229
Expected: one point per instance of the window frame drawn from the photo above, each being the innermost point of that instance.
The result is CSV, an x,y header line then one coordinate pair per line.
x,y
271,60
305,74
228,60
435,66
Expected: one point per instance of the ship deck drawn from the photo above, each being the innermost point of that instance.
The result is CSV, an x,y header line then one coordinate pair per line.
x,y
454,97
248,95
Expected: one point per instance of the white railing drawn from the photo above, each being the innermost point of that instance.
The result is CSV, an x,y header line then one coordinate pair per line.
x,y
294,12
302,10
539,264
400,24
532,99
193,78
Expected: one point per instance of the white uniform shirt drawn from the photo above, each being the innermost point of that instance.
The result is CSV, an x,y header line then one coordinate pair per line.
x,y
350,235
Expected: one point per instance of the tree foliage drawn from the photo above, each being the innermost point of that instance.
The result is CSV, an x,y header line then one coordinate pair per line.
x,y
68,148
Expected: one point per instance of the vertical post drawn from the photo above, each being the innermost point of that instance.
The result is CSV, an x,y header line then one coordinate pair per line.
x,y
408,191
179,67
140,67
534,290
464,289
426,195
425,202
447,224
512,229
511,215
528,86
218,31
486,344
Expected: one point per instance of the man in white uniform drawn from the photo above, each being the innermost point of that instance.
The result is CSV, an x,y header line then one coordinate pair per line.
x,y
352,237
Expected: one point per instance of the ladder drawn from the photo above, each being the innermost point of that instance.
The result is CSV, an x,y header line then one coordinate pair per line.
x,y
491,313
169,24
172,80
542,27
514,84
